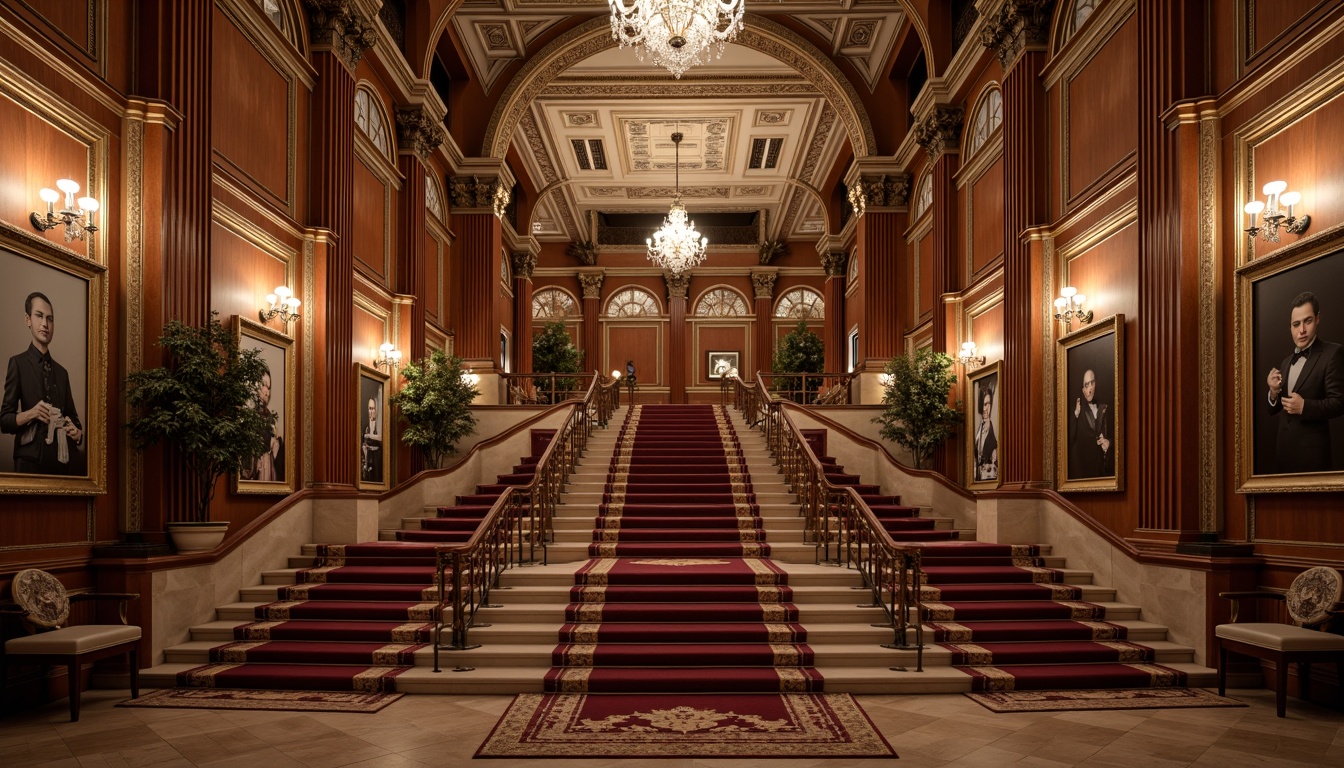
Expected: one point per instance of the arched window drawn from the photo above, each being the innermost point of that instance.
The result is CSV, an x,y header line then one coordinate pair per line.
x,y
433,198
988,118
801,304
853,268
924,197
369,118
273,11
721,302
632,302
1081,10
552,304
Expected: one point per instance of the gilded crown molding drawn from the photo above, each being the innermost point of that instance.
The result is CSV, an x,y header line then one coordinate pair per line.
x,y
764,284
834,263
524,264
418,131
677,284
344,26
1016,26
940,132
592,284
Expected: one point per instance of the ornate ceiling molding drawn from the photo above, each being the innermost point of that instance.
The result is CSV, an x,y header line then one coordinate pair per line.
x,y
493,40
864,40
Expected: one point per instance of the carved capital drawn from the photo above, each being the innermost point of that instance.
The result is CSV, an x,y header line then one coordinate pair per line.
x,y
941,131
764,284
476,193
1018,25
677,284
524,264
418,131
592,284
834,263
885,191
341,25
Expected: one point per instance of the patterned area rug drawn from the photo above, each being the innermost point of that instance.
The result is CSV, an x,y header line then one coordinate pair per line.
x,y
299,701
677,725
1065,701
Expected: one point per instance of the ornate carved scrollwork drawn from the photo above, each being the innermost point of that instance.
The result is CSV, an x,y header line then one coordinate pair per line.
x,y
341,24
524,264
418,131
478,193
834,263
1018,24
764,284
886,191
592,284
677,284
941,131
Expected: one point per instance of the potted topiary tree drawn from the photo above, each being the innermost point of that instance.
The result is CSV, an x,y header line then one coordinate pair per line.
x,y
203,404
554,352
434,400
800,351
917,416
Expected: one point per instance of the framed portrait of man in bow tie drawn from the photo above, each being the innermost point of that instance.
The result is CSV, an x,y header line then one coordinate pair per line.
x,y
52,321
1290,383
1089,380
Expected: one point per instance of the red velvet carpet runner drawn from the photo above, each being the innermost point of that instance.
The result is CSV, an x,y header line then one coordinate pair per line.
x,y
355,621
681,597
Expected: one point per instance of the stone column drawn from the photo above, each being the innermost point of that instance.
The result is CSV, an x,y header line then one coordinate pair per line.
x,y
591,281
677,286
763,284
340,32
1017,30
833,333
524,264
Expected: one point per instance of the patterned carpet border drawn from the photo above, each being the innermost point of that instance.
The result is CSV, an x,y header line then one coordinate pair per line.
x,y
1070,701
294,701
685,725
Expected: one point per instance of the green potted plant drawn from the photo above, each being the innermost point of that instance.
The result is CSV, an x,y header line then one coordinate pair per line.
x,y
434,401
800,351
918,416
554,352
203,403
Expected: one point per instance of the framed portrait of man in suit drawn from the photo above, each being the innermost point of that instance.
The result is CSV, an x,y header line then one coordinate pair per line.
x,y
375,444
1290,371
983,449
274,471
53,340
1090,424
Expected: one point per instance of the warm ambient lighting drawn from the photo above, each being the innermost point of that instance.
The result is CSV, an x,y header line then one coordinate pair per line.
x,y
78,216
615,375
858,200
283,305
968,357
677,247
389,357
675,33
471,379
1273,212
1069,306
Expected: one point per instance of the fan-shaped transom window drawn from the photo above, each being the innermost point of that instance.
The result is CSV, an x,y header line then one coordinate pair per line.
x,y
1081,10
433,200
370,120
632,302
273,11
722,302
988,118
801,304
924,196
552,304
853,273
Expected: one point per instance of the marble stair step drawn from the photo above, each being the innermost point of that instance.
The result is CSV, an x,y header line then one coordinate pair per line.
x,y
578,498
559,594
854,633
791,552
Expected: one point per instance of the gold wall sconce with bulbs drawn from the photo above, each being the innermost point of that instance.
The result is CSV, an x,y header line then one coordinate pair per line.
x,y
283,304
1069,307
78,215
388,357
1272,215
968,358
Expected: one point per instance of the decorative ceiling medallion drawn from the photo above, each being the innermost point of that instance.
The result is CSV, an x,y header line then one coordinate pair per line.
x,y
865,40
585,119
773,117
753,191
649,146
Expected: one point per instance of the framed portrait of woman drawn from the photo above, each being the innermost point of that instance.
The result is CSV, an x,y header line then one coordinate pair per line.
x,y
983,449
373,452
274,470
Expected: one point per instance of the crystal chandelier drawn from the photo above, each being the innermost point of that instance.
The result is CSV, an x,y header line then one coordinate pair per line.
x,y
676,246
676,33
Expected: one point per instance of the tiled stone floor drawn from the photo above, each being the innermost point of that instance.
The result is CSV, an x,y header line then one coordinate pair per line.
x,y
929,730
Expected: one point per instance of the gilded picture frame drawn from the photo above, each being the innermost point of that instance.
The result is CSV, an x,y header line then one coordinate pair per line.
x,y
983,451
275,471
69,302
1277,450
1090,425
720,363
373,441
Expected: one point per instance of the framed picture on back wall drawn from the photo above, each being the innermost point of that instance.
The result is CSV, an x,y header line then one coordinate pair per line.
x,y
1090,377
982,422
274,471
375,446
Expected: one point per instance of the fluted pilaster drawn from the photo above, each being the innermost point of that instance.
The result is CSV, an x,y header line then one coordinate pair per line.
x,y
882,248
524,264
833,332
480,239
763,286
677,288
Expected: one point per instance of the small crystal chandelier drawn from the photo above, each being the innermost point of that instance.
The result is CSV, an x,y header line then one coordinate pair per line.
x,y
676,33
677,247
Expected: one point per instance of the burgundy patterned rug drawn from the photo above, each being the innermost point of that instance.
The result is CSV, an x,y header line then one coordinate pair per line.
x,y
1067,701
682,725
295,701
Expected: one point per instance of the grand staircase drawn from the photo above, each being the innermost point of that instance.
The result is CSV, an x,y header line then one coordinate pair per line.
x,y
596,619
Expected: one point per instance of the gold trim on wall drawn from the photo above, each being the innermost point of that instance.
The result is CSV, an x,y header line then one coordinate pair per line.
x,y
1210,398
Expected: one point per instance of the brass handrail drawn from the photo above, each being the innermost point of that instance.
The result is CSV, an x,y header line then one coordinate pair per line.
x,y
518,523
825,388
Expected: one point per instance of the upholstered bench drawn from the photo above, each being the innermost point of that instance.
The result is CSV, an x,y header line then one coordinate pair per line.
x,y
1310,599
46,606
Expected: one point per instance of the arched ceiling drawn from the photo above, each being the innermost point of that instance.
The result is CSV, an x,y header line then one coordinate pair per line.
x,y
763,125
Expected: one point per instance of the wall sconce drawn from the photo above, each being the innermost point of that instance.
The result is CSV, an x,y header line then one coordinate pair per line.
x,y
388,357
73,215
1276,199
857,199
968,358
1069,306
283,304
